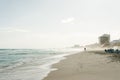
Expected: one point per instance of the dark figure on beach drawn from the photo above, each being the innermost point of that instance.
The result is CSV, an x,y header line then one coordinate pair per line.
x,y
106,50
117,51
109,50
112,51
84,49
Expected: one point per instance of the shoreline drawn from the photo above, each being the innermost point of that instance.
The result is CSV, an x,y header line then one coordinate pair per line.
x,y
60,57
89,65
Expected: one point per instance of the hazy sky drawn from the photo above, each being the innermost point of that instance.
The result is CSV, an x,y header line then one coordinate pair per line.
x,y
57,23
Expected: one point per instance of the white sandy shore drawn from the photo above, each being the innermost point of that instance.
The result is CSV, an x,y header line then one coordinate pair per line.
x,y
86,66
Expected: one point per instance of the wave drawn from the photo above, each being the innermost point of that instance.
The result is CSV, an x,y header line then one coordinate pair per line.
x,y
36,64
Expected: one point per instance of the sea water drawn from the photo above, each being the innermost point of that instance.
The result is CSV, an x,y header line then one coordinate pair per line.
x,y
30,64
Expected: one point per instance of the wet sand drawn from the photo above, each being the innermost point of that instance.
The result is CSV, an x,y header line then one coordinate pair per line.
x,y
86,66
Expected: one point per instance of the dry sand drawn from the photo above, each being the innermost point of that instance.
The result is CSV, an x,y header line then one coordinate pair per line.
x,y
86,66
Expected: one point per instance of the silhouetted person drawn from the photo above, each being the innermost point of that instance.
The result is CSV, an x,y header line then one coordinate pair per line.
x,y
106,50
117,51
84,49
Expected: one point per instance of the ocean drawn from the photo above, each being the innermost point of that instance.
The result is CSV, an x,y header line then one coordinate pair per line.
x,y
30,64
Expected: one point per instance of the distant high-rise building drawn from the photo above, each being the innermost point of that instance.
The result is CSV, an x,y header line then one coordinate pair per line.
x,y
104,39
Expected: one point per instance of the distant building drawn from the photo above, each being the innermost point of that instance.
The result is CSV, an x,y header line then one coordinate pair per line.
x,y
115,42
104,40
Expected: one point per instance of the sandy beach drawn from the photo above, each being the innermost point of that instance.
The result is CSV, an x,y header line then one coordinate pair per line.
x,y
86,66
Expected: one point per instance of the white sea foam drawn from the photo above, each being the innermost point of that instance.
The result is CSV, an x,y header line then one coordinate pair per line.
x,y
34,67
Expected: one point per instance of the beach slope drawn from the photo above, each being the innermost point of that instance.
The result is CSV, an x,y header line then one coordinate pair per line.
x,y
86,66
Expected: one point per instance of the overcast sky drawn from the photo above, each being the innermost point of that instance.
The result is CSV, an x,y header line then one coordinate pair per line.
x,y
57,23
